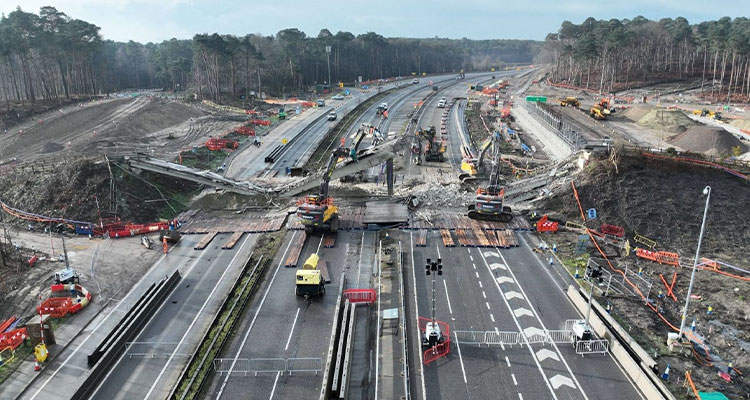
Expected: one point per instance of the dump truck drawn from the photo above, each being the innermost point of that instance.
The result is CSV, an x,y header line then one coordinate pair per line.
x,y
310,281
569,101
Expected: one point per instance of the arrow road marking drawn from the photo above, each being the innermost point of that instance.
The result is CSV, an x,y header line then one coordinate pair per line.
x,y
513,295
504,279
560,380
495,266
544,354
520,312
491,254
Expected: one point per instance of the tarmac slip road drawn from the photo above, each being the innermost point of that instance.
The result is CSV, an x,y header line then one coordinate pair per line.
x,y
488,290
178,325
282,340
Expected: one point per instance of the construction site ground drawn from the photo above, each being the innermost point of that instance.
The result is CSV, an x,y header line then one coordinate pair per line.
x,y
662,200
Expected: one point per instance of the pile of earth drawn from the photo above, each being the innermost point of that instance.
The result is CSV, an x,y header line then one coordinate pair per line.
x,y
743,124
709,140
667,120
635,113
80,190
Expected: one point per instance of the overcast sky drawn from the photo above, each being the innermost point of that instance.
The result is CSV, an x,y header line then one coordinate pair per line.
x,y
157,20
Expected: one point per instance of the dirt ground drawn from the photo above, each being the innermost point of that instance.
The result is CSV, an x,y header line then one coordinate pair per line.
x,y
118,265
662,200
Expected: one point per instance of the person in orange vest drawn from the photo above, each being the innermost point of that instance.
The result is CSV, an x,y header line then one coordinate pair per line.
x,y
164,241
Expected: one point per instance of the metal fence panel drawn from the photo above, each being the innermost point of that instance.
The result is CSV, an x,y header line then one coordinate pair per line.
x,y
503,338
599,346
470,337
223,365
535,338
304,365
560,336
151,350
267,365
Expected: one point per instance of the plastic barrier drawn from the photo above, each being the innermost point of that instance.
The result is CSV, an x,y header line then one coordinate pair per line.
x,y
215,144
543,225
613,230
13,338
433,353
360,295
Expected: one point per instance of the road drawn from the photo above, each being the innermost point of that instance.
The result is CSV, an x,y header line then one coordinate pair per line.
x,y
499,290
281,326
178,325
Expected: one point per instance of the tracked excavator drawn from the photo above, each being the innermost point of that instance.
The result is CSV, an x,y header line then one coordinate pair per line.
x,y
317,211
471,168
488,205
433,151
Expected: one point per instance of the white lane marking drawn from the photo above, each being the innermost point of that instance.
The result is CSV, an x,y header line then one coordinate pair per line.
x,y
416,305
255,317
275,381
474,265
518,325
484,294
490,254
477,274
450,309
507,360
495,266
492,317
471,258
514,379
520,396
361,251
438,250
291,331
460,358
544,354
487,304
520,312
480,285
567,367
504,279
561,380
513,295
195,319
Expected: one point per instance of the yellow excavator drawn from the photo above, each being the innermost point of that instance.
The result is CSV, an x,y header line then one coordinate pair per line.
x,y
472,167
599,112
310,282
569,101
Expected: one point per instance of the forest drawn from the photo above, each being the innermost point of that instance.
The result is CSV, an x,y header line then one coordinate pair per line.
x,y
619,54
52,56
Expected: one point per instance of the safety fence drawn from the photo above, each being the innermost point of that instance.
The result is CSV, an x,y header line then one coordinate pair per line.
x,y
255,366
500,338
595,346
555,123
360,295
619,283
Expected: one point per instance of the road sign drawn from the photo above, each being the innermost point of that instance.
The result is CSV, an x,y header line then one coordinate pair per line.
x,y
341,84
346,92
591,213
283,141
536,98
492,69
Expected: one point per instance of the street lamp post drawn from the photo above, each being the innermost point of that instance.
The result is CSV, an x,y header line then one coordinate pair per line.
x,y
707,193
432,331
328,54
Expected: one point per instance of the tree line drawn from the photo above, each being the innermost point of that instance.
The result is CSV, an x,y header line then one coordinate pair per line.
x,y
52,56
618,54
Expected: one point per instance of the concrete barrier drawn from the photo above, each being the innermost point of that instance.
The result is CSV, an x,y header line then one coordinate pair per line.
x,y
631,356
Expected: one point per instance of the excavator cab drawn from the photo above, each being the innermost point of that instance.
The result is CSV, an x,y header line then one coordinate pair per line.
x,y
488,205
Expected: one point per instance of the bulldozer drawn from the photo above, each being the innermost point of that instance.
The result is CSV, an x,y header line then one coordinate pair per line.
x,y
433,150
317,211
569,101
310,282
488,205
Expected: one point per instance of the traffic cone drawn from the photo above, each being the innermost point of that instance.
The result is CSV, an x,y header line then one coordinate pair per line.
x,y
665,375
37,367
692,326
554,247
577,275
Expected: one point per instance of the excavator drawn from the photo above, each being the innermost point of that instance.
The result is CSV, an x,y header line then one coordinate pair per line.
x,y
317,211
601,110
471,168
433,151
488,205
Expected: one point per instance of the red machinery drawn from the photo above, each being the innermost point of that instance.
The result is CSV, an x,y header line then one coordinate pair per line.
x,y
215,144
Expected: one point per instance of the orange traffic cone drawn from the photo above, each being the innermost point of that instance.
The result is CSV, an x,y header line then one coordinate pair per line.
x,y
37,367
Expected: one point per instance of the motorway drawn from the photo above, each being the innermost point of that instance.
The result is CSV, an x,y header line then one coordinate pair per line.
x,y
178,325
280,325
502,290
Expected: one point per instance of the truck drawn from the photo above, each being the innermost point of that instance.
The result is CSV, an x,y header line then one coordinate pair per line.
x,y
309,280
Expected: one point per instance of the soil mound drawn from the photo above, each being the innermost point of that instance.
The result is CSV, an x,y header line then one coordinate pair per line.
x,y
635,113
660,119
708,140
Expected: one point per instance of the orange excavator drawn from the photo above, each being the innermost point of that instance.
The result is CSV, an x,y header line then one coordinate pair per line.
x,y
317,211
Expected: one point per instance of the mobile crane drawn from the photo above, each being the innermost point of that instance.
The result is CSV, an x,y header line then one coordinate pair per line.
x,y
317,211
488,205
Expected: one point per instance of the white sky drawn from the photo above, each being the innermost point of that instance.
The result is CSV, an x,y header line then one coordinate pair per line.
x,y
157,20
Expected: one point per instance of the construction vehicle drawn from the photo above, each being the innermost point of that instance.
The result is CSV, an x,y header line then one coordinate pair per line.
x,y
433,151
66,275
171,234
708,114
569,101
382,108
473,167
317,211
282,113
606,105
310,282
488,205
599,113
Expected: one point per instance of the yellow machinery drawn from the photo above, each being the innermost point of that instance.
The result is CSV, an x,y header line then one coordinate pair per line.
x,y
317,211
597,112
472,167
569,101
309,280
